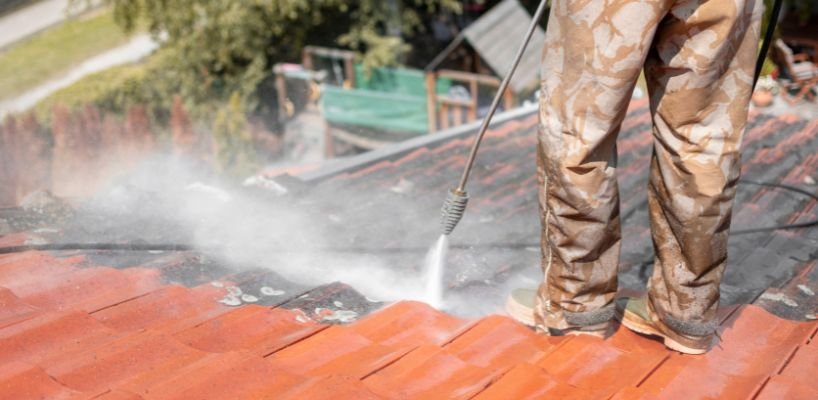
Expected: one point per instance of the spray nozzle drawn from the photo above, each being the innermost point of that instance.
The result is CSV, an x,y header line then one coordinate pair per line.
x,y
453,209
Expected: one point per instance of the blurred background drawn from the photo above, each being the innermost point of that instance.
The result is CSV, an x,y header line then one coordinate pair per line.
x,y
90,88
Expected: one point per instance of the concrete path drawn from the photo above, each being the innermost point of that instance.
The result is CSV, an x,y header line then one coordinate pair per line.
x,y
36,17
138,47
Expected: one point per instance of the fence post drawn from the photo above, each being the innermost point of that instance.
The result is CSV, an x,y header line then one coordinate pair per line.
x,y
431,101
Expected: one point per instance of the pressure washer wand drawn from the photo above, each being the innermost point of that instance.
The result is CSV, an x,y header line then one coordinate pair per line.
x,y
455,204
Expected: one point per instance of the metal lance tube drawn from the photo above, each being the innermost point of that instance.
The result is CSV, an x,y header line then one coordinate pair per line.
x,y
456,200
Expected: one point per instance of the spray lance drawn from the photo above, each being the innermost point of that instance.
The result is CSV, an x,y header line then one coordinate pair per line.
x,y
457,198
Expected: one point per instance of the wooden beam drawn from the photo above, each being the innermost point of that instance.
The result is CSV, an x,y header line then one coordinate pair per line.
x,y
431,101
487,80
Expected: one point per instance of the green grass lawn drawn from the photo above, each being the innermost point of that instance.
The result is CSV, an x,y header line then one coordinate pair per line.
x,y
54,51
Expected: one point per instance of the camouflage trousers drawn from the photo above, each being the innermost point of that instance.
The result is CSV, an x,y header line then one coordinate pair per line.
x,y
698,58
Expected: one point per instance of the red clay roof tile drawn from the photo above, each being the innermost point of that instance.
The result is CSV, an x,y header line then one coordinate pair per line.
x,y
335,350
410,323
169,309
592,364
22,381
781,387
330,388
233,375
90,289
498,342
51,334
258,329
526,381
801,368
118,395
114,362
683,376
430,373
12,309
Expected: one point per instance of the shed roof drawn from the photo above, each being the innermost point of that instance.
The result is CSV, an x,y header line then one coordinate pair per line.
x,y
496,36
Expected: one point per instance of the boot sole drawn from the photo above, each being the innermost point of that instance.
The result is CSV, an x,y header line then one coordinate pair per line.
x,y
520,313
638,324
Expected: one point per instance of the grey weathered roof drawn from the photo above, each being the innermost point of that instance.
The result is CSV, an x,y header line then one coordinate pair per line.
x,y
497,35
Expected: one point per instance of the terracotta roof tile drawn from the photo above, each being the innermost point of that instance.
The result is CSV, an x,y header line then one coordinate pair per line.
x,y
22,381
258,329
51,334
409,323
430,372
801,367
331,388
526,381
780,387
107,365
169,309
335,350
498,342
12,309
591,364
232,375
88,289
682,377
118,395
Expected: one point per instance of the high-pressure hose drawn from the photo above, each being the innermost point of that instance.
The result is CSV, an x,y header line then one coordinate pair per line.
x,y
457,198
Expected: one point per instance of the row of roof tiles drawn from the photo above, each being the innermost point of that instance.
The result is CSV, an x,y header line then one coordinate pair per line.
x,y
149,340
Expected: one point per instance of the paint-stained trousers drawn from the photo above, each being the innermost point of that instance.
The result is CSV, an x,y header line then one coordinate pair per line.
x,y
698,58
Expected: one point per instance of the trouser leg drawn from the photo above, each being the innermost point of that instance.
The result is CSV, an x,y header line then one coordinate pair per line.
x,y
700,78
593,55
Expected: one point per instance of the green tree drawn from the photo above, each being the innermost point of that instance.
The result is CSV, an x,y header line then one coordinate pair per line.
x,y
235,152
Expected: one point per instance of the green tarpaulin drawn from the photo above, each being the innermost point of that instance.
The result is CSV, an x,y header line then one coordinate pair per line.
x,y
388,98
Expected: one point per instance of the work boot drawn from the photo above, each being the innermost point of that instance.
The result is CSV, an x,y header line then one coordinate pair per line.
x,y
520,307
635,315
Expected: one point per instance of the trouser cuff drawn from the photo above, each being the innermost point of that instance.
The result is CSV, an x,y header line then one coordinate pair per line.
x,y
589,318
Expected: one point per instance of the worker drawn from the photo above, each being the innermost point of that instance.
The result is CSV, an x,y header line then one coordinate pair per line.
x,y
698,59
